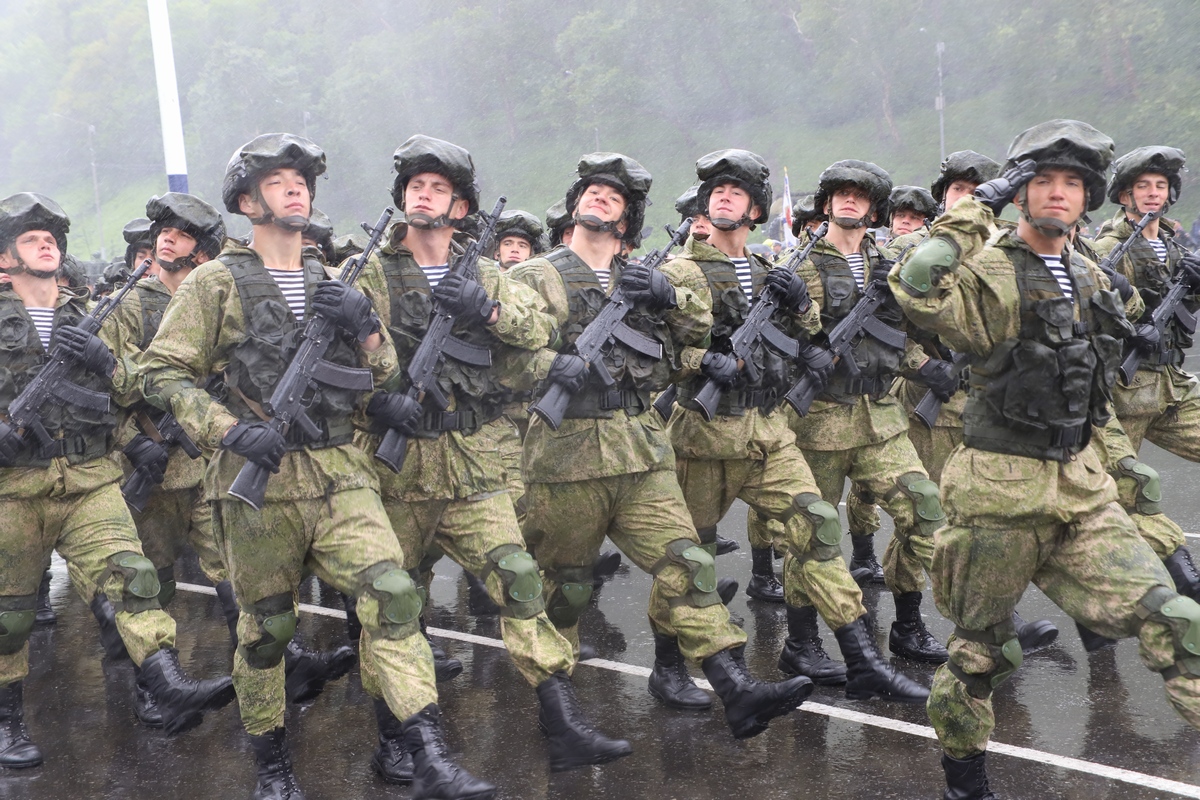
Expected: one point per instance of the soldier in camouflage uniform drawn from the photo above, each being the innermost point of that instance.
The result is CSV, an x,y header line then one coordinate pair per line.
x,y
559,224
748,453
240,316
319,236
139,244
609,469
62,493
688,206
910,208
1027,499
452,492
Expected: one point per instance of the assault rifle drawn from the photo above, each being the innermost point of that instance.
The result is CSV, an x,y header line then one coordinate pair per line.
x,y
930,406
426,364
294,392
859,322
168,432
609,325
52,384
757,327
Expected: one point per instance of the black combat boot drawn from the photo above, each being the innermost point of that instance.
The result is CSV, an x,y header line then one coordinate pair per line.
x,y
182,700
763,583
435,776
726,546
910,638
353,623
803,653
307,671
605,566
868,676
1093,641
445,668
572,740
966,779
1179,564
143,701
727,589
110,637
391,761
863,558
16,751
479,601
1034,636
749,703
45,612
276,779
229,608
670,681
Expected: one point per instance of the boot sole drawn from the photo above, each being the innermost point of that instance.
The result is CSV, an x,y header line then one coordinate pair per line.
x,y
565,764
449,672
888,698
175,724
785,705
662,698
22,764
763,596
1045,637
390,777
819,681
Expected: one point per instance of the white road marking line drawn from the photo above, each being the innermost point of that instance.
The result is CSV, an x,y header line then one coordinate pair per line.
x,y
835,712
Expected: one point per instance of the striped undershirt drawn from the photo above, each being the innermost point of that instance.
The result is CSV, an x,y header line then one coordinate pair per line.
x,y
1160,249
742,267
1060,273
603,275
435,274
855,260
43,320
291,283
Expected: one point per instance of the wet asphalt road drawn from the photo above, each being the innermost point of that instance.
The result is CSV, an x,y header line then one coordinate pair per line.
x,y
1106,709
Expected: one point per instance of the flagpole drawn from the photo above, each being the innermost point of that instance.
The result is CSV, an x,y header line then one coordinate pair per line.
x,y
168,96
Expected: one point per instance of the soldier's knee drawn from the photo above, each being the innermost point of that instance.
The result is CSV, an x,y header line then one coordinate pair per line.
x,y
1003,648
398,598
1182,616
166,582
519,575
276,619
17,615
573,588
140,586
1148,493
825,541
701,573
922,493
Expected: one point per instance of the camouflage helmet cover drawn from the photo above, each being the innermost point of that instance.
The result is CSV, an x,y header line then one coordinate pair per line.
x,y
869,177
422,153
523,224
27,211
963,165
915,198
1070,144
746,169
265,153
191,215
621,173
1165,161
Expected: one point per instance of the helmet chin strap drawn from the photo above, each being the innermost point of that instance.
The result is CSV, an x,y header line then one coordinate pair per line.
x,y
727,224
22,268
295,222
425,222
597,225
174,265
850,223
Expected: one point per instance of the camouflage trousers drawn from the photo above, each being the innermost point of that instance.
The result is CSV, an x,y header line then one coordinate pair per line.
x,y
340,538
171,520
643,513
1093,565
1138,495
467,531
90,530
1164,408
510,454
813,572
879,469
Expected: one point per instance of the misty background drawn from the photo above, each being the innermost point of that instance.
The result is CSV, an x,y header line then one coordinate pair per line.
x,y
529,85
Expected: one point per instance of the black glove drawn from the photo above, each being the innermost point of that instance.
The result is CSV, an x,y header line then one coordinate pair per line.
x,y
648,287
86,348
464,297
1145,338
1120,285
1189,268
257,442
719,367
939,376
819,363
568,371
142,451
792,289
395,410
879,272
999,192
11,443
347,307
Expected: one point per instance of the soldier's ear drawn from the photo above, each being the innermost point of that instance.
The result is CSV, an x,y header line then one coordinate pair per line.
x,y
458,208
248,205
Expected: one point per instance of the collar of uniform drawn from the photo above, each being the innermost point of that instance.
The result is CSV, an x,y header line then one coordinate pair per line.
x,y
1009,240
867,248
152,285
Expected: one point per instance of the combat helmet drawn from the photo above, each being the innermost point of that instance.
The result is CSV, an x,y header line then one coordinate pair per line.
x,y
263,154
963,165
523,224
27,211
1165,161
743,168
422,153
626,176
804,212
869,177
137,237
191,215
1069,144
915,198
320,230
688,205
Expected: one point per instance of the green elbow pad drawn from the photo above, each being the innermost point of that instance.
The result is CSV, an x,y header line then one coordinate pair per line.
x,y
927,263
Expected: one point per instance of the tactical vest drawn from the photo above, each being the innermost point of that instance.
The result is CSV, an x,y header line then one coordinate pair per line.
x,y
479,396
79,434
1152,279
730,308
272,338
1040,394
154,305
635,374
875,363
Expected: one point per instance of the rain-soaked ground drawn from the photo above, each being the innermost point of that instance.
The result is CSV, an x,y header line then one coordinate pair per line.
x,y
1104,713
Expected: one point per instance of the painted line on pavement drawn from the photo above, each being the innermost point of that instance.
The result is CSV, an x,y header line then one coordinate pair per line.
x,y
835,712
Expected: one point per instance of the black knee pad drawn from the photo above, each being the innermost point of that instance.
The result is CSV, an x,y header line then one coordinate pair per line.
x,y
17,616
519,573
573,587
140,588
276,619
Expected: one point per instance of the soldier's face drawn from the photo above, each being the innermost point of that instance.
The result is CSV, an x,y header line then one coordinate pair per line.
x,y
701,227
285,193
513,250
1057,194
729,201
432,195
141,255
1149,192
602,201
957,190
906,221
849,201
173,244
38,250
